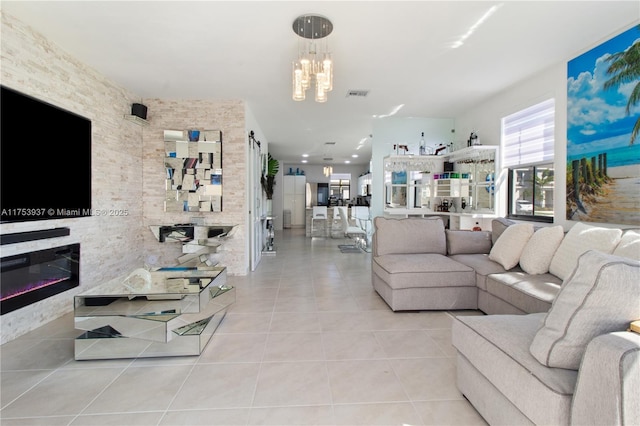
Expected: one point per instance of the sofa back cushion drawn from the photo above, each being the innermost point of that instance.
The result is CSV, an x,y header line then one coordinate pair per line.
x,y
498,226
629,245
579,239
409,235
539,250
600,296
468,242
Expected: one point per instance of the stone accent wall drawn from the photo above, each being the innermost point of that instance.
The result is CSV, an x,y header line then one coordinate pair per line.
x,y
110,246
227,116
127,169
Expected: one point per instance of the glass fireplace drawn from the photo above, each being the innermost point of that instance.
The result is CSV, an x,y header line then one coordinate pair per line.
x,y
29,277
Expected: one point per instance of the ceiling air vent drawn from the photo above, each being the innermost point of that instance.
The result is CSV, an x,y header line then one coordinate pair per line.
x,y
327,159
329,143
357,93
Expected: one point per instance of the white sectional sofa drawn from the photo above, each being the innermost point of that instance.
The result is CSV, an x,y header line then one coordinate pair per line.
x,y
418,265
554,349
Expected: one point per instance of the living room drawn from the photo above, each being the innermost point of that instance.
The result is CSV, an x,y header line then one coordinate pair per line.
x,y
127,174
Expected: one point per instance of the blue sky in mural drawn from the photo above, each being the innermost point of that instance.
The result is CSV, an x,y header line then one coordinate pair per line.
x,y
596,119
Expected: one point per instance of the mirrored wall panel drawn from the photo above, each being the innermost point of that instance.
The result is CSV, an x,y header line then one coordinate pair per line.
x,y
194,170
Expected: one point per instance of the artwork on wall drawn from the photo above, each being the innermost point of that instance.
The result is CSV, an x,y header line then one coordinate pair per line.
x,y
194,170
603,132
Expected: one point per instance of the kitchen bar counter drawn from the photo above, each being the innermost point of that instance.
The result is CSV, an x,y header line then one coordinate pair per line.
x,y
331,227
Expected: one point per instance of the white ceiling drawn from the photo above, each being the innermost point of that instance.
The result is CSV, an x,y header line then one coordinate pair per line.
x,y
400,51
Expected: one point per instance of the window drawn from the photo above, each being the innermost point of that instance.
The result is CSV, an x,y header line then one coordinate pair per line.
x,y
528,147
339,187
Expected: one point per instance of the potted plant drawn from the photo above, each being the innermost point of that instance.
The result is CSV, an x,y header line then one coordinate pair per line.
x,y
268,178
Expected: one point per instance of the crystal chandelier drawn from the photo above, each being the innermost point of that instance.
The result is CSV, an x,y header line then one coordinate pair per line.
x,y
328,171
314,61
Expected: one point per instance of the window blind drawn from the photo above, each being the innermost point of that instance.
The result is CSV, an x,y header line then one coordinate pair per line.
x,y
528,135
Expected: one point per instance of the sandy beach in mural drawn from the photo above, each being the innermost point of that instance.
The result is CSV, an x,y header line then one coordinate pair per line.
x,y
620,200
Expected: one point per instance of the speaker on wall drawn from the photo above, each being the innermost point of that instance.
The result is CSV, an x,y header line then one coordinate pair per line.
x,y
139,110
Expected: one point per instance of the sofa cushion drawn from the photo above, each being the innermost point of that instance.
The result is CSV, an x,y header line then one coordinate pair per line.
x,y
579,239
539,250
506,251
422,270
468,242
482,265
409,235
600,296
629,245
529,293
497,346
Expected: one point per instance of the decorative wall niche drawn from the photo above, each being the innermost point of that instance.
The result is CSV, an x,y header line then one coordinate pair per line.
x,y
194,170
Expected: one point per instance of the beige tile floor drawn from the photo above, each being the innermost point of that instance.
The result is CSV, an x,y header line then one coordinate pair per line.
x,y
307,342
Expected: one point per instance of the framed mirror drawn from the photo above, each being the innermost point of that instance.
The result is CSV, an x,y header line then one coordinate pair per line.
x,y
193,162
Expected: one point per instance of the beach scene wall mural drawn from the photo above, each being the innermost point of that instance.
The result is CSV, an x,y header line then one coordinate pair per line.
x,y
603,132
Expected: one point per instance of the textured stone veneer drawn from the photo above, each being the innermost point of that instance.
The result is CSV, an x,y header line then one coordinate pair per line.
x,y
227,116
127,168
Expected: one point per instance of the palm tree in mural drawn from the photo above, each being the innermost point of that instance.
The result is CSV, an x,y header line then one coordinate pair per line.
x,y
625,68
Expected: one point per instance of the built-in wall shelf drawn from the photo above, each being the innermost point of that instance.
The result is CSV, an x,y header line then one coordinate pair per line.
x,y
135,119
418,185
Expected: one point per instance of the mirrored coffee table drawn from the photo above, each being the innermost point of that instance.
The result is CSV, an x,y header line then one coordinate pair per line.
x,y
166,312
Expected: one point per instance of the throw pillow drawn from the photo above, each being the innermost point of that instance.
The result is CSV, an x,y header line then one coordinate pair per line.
x,y
600,297
507,249
629,245
537,254
578,240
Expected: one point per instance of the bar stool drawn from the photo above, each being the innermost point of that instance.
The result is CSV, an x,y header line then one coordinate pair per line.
x,y
354,232
319,213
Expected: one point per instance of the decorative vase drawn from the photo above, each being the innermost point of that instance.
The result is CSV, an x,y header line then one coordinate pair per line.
x,y
269,207
194,135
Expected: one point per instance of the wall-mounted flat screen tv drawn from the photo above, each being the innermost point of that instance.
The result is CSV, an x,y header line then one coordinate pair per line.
x,y
45,160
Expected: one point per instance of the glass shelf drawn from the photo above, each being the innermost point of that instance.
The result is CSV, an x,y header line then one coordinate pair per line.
x,y
137,120
416,185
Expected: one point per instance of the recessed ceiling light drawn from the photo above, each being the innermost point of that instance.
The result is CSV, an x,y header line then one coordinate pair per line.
x,y
354,155
303,161
305,155
347,161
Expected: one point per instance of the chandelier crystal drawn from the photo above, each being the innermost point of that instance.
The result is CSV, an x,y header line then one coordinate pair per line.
x,y
314,64
328,171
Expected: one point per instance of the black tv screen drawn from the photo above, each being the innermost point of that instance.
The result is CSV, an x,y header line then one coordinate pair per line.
x,y
45,160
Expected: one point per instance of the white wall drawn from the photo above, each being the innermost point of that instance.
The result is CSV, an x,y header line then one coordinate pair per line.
x,y
486,120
